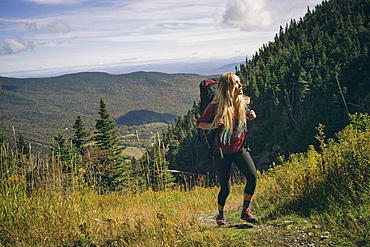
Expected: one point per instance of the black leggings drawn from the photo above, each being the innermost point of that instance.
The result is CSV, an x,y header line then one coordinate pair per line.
x,y
244,162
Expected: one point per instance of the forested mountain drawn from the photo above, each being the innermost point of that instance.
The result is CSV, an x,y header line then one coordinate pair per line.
x,y
317,70
140,117
39,108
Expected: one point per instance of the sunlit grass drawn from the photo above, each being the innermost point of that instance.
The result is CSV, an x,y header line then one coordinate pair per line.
x,y
330,185
147,219
323,191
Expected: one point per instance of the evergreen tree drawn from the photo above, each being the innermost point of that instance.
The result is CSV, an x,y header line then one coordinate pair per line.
x,y
106,134
60,148
139,176
115,173
3,142
296,77
81,136
23,146
180,139
3,139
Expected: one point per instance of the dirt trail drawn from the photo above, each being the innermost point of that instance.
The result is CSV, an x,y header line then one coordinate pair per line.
x,y
287,234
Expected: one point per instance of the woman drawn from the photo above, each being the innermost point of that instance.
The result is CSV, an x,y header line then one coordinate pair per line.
x,y
228,111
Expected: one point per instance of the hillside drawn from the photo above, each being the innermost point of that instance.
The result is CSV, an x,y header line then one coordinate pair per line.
x,y
140,117
316,70
39,108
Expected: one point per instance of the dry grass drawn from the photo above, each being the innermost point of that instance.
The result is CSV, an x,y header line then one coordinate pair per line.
x,y
325,188
87,219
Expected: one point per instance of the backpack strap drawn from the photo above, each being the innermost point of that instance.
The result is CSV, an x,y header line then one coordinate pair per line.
x,y
246,141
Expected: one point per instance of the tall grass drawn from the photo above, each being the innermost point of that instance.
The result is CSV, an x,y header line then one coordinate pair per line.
x,y
85,218
330,185
42,206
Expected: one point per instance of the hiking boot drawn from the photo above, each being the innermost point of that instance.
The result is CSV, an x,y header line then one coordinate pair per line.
x,y
248,216
221,221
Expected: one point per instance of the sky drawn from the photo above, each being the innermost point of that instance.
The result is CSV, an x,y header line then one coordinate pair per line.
x,y
53,37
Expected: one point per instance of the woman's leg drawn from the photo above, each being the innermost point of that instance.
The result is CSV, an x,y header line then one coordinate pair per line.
x,y
223,168
244,162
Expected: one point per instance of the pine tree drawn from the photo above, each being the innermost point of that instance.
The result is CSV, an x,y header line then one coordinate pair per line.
x,y
3,139
81,135
60,148
23,146
296,74
106,134
115,172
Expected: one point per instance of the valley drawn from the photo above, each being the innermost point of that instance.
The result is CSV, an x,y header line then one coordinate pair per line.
x,y
40,108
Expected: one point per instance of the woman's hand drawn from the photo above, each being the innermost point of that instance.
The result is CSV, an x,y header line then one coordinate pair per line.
x,y
252,115
219,121
206,125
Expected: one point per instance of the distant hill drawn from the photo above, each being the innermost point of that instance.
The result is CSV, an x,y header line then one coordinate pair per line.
x,y
39,108
140,117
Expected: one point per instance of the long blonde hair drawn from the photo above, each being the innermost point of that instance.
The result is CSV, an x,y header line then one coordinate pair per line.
x,y
227,104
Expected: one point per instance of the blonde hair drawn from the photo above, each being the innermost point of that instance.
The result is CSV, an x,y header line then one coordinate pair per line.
x,y
229,106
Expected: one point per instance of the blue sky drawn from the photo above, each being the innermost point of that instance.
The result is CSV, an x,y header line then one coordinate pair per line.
x,y
52,37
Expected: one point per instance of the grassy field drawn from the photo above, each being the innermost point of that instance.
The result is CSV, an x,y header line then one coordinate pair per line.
x,y
175,218
135,152
141,136
317,198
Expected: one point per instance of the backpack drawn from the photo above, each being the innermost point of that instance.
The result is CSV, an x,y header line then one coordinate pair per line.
x,y
207,90
203,152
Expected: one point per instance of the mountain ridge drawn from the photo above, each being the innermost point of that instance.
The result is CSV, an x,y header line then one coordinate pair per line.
x,y
200,67
140,117
39,108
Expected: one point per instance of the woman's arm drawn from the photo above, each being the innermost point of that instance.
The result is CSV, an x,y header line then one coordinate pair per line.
x,y
206,125
205,121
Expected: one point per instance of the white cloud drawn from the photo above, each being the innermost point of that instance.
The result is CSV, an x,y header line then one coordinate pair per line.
x,y
57,26
31,26
141,31
53,43
20,44
13,46
54,26
248,15
291,9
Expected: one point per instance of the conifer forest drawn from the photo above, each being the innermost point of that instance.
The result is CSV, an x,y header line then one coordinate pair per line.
x,y
310,88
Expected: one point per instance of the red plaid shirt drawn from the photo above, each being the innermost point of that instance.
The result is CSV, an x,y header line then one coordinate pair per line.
x,y
236,143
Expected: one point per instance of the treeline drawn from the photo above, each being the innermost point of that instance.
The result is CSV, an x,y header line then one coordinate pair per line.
x,y
88,158
317,70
